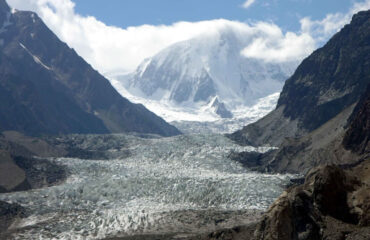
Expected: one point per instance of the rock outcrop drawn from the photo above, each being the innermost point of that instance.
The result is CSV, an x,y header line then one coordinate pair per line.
x,y
332,204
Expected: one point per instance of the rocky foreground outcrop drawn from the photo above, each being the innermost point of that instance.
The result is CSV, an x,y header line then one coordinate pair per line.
x,y
332,204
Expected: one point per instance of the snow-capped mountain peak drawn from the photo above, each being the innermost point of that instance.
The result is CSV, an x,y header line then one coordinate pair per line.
x,y
190,74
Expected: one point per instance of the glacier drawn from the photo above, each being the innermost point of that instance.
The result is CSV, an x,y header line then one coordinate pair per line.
x,y
165,185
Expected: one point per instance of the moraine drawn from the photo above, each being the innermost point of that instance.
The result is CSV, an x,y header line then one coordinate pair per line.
x,y
164,185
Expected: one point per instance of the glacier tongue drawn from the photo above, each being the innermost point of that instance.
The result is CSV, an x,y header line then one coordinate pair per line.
x,y
185,77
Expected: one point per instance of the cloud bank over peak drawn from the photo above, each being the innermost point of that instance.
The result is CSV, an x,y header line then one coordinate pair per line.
x,y
111,49
272,45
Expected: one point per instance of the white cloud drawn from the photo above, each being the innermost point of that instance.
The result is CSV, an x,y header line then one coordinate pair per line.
x,y
323,29
111,49
273,45
277,46
248,3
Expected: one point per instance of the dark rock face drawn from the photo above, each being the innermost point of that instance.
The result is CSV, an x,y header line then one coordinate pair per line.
x,y
330,185
358,134
220,109
330,80
46,88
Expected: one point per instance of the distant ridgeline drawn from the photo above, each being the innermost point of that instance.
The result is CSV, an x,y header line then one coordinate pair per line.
x,y
46,88
314,107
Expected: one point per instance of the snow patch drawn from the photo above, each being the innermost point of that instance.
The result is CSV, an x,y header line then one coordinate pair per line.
x,y
35,58
33,17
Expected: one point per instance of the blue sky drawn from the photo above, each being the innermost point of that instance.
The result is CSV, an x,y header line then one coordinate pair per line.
x,y
285,13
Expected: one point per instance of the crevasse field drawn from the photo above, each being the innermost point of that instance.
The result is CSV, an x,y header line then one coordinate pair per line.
x,y
164,185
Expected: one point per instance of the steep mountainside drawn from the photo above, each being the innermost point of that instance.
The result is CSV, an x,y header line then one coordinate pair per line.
x,y
330,80
46,88
333,203
190,74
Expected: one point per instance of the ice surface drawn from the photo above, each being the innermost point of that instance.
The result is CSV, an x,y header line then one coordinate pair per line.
x,y
136,194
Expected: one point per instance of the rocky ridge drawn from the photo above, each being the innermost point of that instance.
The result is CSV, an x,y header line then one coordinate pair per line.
x,y
46,88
